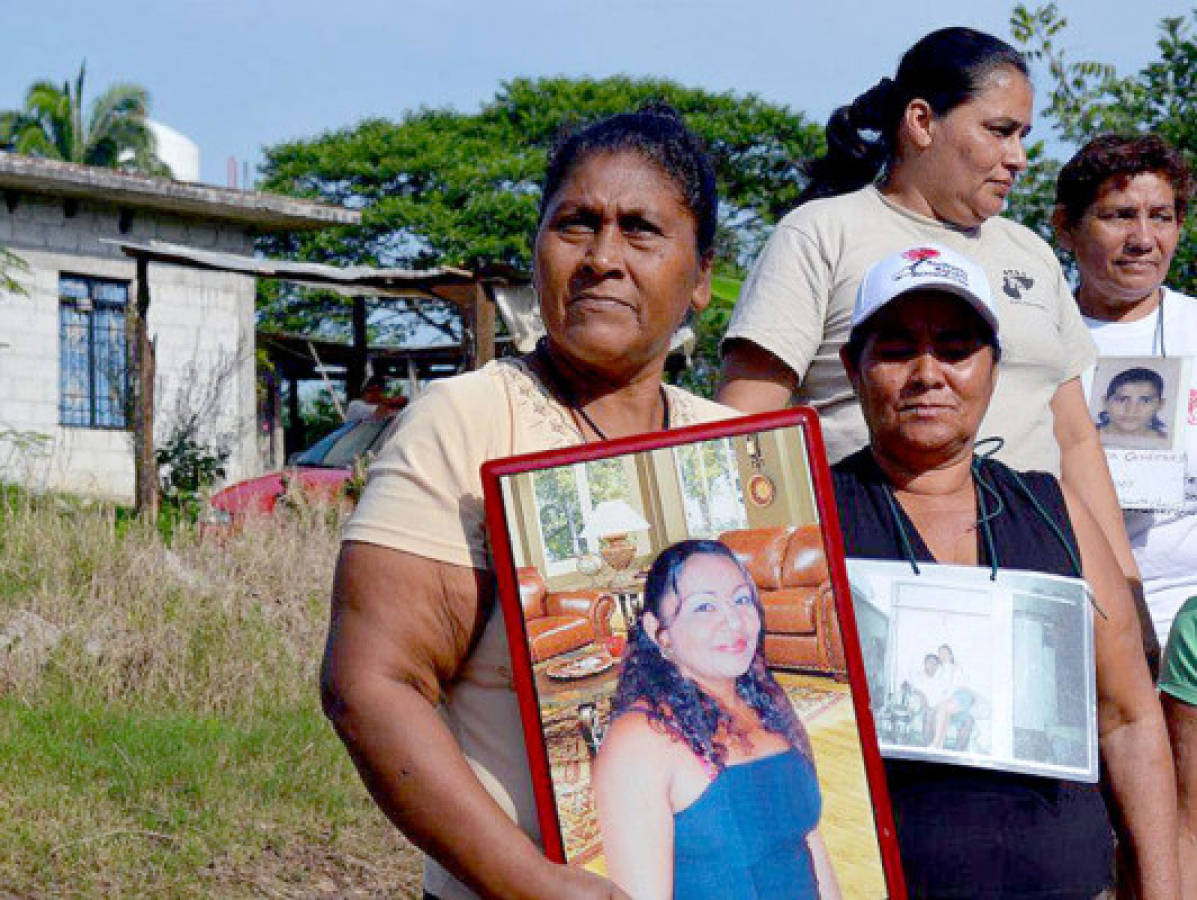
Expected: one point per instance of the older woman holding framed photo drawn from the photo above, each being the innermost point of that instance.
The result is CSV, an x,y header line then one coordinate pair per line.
x,y
623,250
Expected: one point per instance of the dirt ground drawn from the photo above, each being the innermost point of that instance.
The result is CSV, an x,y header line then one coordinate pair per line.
x,y
317,869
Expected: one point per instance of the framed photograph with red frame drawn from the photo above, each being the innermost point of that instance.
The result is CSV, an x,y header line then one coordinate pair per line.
x,y
640,582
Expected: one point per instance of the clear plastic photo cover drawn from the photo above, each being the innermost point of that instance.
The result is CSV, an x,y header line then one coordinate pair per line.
x,y
965,669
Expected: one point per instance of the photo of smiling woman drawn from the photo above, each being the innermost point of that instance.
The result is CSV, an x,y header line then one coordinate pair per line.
x,y
705,783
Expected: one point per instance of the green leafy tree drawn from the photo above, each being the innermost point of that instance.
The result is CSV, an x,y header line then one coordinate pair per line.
x,y
114,134
560,509
1087,98
442,187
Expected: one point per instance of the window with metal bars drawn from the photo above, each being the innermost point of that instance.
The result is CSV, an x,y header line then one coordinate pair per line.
x,y
93,379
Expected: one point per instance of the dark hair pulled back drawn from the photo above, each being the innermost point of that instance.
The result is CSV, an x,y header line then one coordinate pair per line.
x,y
655,131
945,68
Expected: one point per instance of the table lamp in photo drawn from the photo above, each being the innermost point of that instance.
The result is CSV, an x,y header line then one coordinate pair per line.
x,y
609,525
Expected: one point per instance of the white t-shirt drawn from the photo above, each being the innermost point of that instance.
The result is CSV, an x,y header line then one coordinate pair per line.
x,y
424,496
934,688
797,304
953,674
1164,544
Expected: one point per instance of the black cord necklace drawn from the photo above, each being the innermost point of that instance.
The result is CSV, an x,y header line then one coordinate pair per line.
x,y
984,517
987,514
566,392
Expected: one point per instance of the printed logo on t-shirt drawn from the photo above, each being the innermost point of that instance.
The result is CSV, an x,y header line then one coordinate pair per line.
x,y
1192,407
1015,283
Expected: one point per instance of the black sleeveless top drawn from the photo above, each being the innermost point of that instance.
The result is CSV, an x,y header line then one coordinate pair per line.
x,y
967,832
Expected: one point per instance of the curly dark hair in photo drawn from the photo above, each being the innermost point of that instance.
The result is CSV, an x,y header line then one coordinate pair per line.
x,y
945,68
1118,156
652,685
655,131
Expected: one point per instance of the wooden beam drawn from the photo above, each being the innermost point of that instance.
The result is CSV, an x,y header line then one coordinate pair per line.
x,y
145,468
483,322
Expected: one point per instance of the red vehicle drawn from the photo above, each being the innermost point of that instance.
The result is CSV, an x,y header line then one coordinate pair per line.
x,y
319,473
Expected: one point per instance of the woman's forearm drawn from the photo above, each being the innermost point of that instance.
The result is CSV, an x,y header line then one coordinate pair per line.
x,y
753,379
1141,780
399,623
1083,468
1182,734
418,775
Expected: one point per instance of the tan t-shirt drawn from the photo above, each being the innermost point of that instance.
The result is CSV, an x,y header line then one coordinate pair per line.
x,y
424,496
797,304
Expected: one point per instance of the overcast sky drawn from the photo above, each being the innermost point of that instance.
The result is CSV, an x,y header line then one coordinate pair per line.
x,y
235,75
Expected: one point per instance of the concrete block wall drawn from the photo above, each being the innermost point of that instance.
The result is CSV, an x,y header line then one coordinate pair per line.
x,y
202,322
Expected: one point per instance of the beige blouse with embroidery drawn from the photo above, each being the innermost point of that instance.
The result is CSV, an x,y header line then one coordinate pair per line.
x,y
424,496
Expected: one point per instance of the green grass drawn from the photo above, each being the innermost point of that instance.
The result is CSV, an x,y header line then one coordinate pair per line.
x,y
98,799
171,743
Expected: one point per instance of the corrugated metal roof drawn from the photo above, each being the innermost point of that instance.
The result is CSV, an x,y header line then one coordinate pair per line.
x,y
443,283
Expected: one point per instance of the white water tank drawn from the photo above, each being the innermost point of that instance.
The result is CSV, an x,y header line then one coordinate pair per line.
x,y
179,152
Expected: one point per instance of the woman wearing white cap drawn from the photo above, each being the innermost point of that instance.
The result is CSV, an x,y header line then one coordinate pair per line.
x,y
922,357
930,155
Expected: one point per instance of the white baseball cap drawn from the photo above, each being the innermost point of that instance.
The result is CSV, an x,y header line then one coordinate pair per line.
x,y
924,267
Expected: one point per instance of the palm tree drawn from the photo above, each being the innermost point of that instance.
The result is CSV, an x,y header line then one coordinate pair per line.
x,y
115,135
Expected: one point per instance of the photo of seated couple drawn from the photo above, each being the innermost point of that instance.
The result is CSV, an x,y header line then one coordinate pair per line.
x,y
944,695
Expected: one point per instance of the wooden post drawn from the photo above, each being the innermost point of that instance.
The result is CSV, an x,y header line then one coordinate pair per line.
x,y
293,436
277,456
483,320
355,372
145,468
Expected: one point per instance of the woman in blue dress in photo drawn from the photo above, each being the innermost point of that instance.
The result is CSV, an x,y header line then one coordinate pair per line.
x,y
705,783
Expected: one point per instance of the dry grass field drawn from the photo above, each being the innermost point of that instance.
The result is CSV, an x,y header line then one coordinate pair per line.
x,y
160,730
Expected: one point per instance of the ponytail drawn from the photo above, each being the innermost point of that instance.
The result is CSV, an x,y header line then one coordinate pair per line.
x,y
859,143
946,68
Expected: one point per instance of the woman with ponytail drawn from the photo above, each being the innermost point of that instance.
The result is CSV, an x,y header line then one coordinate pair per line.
x,y
928,156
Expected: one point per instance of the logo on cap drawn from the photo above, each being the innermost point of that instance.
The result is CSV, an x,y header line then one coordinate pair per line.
x,y
924,263
918,254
